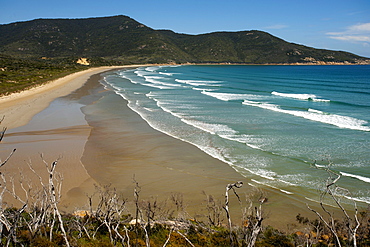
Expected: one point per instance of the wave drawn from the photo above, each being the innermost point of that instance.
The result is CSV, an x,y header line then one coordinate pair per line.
x,y
245,139
359,199
333,119
152,68
150,80
317,111
161,105
365,179
212,151
213,87
197,83
203,89
157,80
214,129
142,73
286,192
231,96
271,186
300,96
168,74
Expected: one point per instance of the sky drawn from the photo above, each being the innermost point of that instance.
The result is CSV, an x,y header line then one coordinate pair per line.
x,y
327,24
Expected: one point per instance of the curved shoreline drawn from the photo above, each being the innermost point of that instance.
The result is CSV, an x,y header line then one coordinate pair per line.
x,y
43,120
143,151
19,108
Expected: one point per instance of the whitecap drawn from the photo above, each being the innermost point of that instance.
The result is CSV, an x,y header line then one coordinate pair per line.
x,y
245,139
333,119
358,199
231,96
365,179
203,89
213,129
316,111
198,82
312,97
159,81
286,192
152,68
168,74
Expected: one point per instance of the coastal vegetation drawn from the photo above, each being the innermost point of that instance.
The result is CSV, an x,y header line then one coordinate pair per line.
x,y
18,74
109,221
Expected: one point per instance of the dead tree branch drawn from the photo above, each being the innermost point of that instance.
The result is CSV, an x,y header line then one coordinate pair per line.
x,y
335,193
228,188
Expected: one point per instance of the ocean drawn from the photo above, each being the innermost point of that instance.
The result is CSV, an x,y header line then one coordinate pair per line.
x,y
275,125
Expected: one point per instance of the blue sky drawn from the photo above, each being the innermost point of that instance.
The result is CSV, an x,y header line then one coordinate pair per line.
x,y
329,24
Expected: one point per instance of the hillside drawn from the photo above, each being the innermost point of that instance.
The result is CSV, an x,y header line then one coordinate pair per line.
x,y
121,39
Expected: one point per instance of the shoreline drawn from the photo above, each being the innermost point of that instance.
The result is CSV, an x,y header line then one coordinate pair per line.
x,y
141,150
43,121
19,108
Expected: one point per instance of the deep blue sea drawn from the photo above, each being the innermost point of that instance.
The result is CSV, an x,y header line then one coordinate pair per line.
x,y
270,123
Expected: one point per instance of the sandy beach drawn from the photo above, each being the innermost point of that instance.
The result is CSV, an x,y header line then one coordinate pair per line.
x,y
67,120
19,108
38,124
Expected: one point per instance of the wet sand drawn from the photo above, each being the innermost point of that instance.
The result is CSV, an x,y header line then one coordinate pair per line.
x,y
101,141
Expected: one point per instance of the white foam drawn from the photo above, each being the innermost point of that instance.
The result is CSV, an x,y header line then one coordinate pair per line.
x,y
149,109
300,96
156,86
213,129
333,119
320,166
245,139
316,111
271,186
198,82
270,175
203,89
365,179
286,182
312,200
359,199
286,192
142,73
168,74
152,68
231,96
159,81
161,105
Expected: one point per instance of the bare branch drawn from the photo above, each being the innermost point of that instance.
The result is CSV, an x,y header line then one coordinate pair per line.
x,y
6,160
187,240
229,187
335,192
168,239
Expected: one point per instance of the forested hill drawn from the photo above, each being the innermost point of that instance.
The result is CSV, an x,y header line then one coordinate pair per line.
x,y
121,39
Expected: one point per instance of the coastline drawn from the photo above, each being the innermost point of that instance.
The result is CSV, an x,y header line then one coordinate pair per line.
x,y
40,121
113,155
19,108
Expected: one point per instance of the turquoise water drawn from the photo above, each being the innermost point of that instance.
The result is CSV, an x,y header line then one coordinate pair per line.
x,y
270,123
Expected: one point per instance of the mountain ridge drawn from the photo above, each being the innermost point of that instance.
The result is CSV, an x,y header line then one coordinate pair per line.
x,y
121,39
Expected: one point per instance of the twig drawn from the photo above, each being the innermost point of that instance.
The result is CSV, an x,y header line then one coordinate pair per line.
x,y
6,160
187,240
